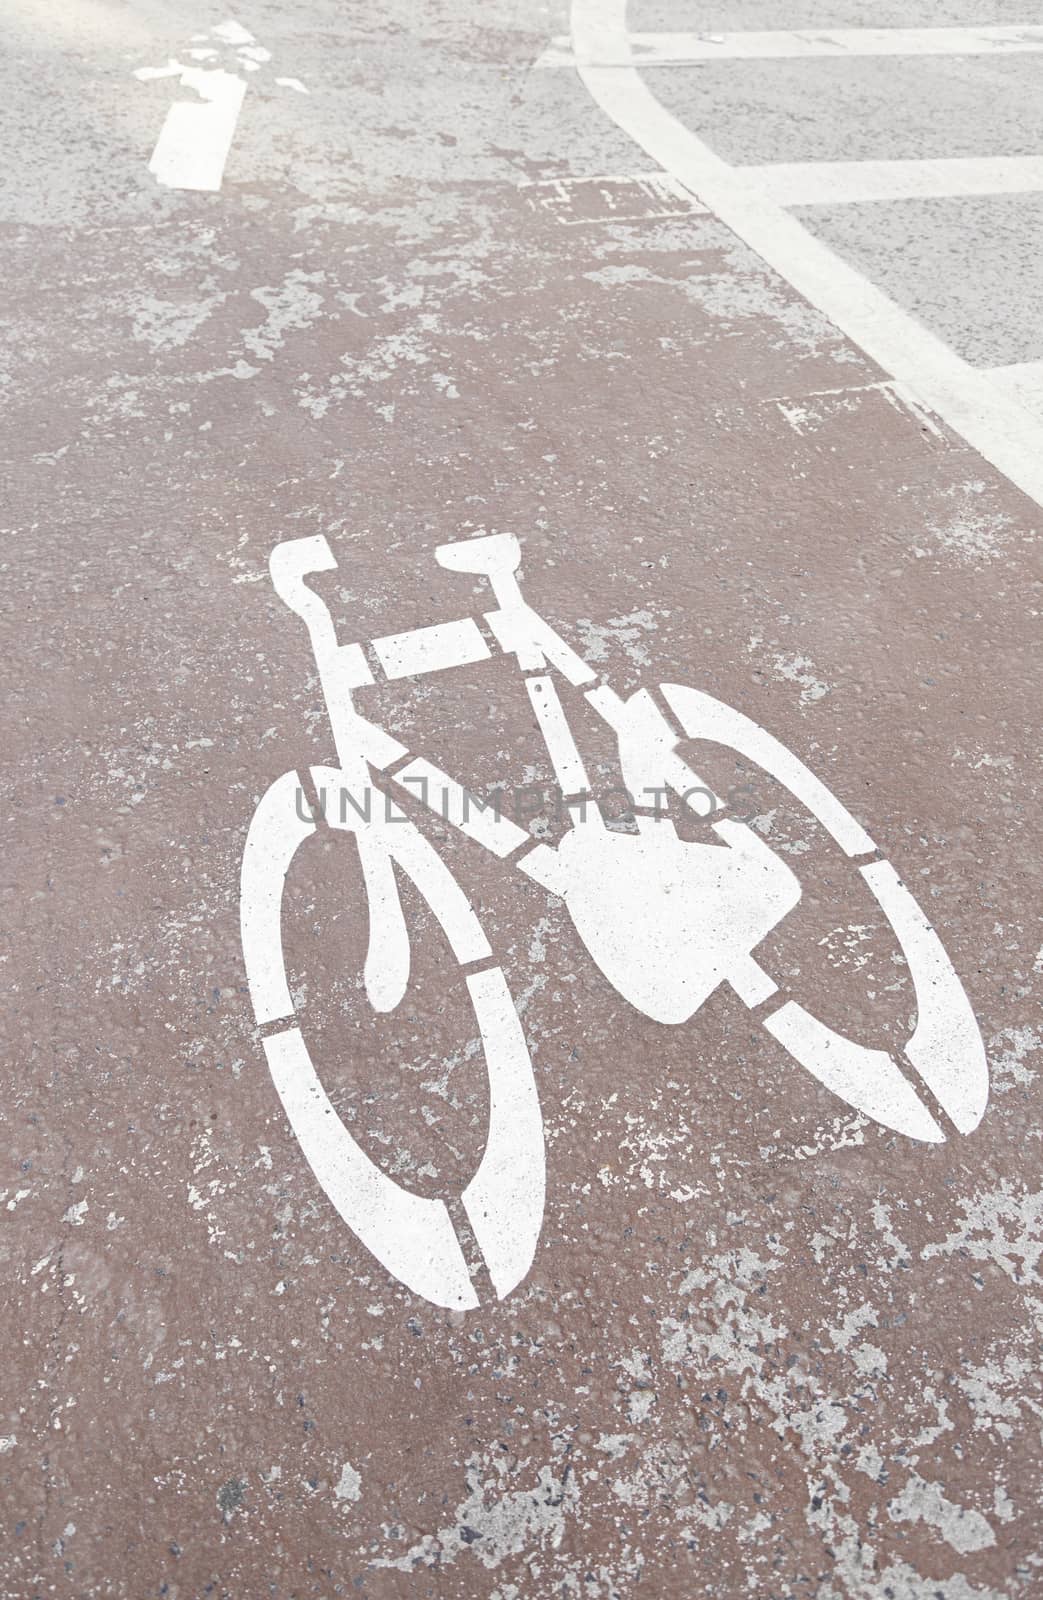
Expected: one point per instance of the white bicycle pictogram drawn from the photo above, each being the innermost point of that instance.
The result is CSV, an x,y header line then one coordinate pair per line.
x,y
665,920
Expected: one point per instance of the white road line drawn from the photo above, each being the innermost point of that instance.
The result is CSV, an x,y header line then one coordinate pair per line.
x,y
683,49
1024,380
197,134
827,183
557,735
992,421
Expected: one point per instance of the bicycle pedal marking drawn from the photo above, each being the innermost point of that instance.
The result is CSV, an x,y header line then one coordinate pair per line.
x,y
666,921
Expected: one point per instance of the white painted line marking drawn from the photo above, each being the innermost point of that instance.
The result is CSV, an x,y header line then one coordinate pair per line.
x,y
703,717
447,644
411,1236
1024,380
464,810
1004,431
197,135
945,1048
867,1079
557,736
276,833
827,183
504,1200
684,49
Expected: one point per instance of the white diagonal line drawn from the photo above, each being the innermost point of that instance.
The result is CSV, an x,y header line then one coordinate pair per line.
x,y
680,49
1023,380
824,183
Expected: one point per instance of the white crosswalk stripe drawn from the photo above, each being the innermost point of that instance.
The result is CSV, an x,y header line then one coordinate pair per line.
x,y
684,49
830,183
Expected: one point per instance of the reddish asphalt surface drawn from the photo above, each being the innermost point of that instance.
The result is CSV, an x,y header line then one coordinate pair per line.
x,y
767,1346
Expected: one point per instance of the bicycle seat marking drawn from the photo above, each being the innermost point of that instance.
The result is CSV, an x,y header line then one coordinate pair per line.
x,y
666,921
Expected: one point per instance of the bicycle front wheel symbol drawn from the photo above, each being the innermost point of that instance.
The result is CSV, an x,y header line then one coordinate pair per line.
x,y
412,1236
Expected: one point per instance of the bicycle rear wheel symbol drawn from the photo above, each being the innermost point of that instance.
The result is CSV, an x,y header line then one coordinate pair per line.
x,y
665,921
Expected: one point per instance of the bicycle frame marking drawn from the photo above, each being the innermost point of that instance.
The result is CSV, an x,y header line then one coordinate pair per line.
x,y
665,921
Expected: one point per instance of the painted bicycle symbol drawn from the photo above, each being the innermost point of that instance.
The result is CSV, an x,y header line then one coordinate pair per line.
x,y
666,921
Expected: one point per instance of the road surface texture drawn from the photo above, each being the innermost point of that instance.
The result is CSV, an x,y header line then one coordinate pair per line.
x,y
405,275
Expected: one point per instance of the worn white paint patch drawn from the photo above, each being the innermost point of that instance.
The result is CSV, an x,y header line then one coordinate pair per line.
x,y
967,1531
800,670
731,296
973,532
611,199
728,1334
169,324
1009,1052
625,633
493,1522
76,1214
997,1393
843,946
639,1405
790,667
349,1484
292,305
1002,1226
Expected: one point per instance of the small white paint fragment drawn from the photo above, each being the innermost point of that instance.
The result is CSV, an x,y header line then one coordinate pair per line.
x,y
292,83
349,1486
76,1214
630,196
7,1443
799,669
614,1445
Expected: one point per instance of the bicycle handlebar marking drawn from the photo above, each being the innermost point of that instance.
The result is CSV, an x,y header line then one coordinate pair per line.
x,y
665,921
